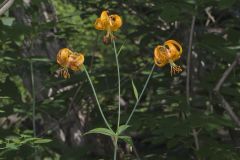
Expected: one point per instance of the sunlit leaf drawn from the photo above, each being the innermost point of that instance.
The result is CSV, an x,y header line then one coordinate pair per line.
x,y
8,21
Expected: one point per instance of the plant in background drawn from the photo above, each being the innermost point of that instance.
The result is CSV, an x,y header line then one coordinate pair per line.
x,y
168,53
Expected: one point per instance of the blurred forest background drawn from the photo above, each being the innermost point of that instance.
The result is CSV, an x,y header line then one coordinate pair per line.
x,y
166,125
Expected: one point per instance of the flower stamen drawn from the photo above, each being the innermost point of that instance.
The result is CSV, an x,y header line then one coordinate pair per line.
x,y
174,68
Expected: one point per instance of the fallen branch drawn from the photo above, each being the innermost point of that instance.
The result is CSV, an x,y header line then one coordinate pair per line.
x,y
5,6
229,110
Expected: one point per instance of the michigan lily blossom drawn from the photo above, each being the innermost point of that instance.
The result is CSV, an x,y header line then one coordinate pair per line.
x,y
109,23
168,53
69,60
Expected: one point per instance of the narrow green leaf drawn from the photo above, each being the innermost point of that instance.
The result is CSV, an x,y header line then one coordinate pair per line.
x,y
42,141
4,97
40,59
32,139
122,128
103,131
135,90
126,139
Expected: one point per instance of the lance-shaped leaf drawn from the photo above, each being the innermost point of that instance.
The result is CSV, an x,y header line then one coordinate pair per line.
x,y
40,140
135,90
103,131
122,128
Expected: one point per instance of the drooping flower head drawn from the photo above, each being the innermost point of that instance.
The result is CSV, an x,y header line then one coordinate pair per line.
x,y
75,61
109,23
168,53
68,59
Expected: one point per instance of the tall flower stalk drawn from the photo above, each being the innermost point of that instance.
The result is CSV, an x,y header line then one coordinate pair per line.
x,y
119,100
164,54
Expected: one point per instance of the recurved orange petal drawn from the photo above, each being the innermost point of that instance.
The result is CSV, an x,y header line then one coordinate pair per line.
x,y
174,48
104,18
175,44
160,56
99,25
62,56
159,63
115,22
76,61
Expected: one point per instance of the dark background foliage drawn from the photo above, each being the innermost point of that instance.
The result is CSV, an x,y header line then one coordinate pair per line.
x,y
165,125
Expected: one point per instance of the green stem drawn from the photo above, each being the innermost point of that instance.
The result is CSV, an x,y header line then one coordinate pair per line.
x,y
98,104
115,148
33,99
119,84
136,104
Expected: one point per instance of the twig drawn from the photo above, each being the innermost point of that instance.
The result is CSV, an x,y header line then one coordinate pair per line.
x,y
216,90
195,136
226,74
210,17
5,6
189,59
229,110
189,55
33,99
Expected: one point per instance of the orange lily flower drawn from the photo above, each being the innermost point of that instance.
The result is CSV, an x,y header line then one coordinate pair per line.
x,y
110,23
67,59
168,53
75,61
